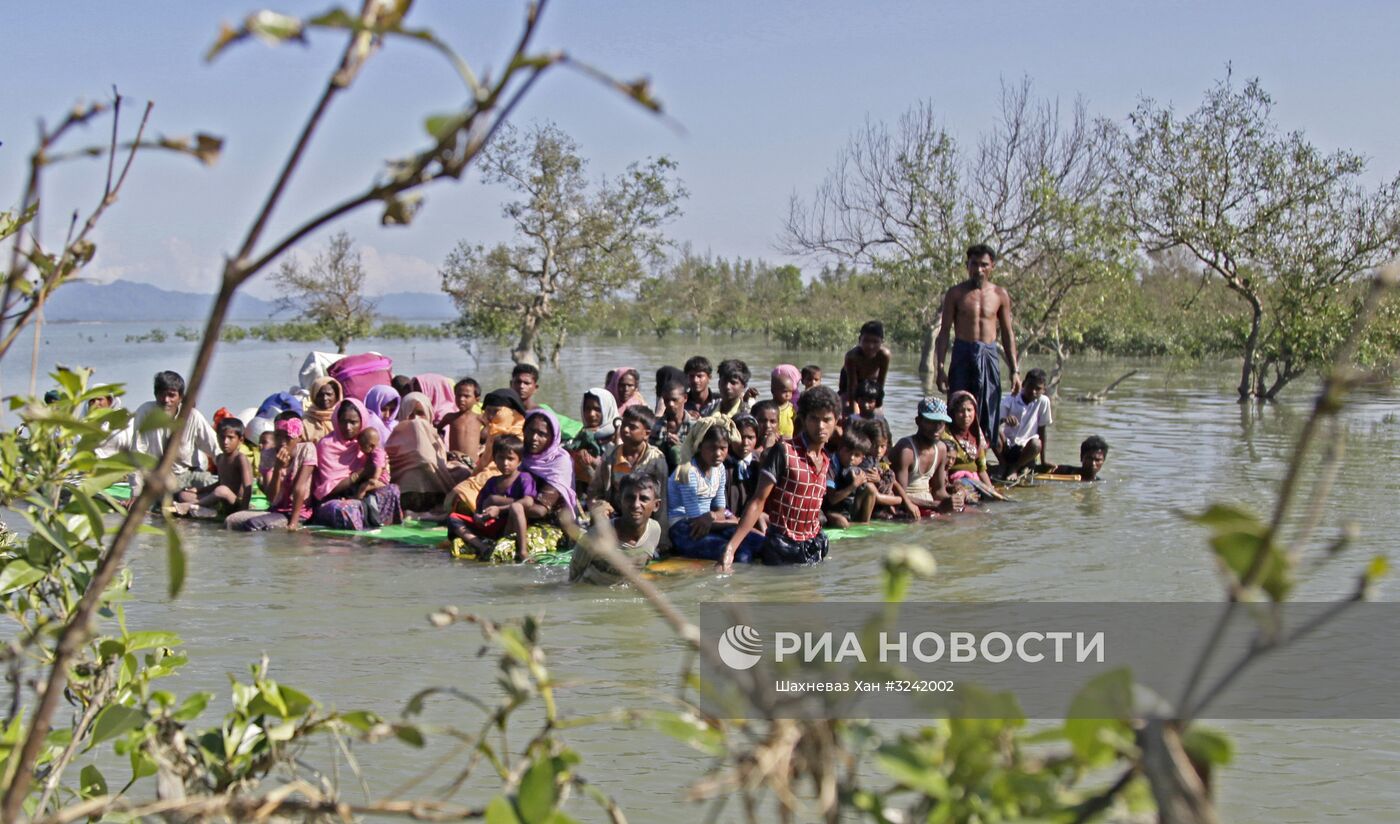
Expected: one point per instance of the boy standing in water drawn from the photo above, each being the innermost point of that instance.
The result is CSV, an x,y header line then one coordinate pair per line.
x,y
1092,454
868,360
525,379
974,311
791,486
811,376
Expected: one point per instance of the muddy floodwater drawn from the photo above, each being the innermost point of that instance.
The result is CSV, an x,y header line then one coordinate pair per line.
x,y
345,620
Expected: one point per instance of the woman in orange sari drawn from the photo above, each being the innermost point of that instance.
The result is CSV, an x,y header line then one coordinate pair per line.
x,y
502,413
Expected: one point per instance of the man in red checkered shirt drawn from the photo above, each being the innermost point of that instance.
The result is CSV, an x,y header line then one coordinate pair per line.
x,y
791,485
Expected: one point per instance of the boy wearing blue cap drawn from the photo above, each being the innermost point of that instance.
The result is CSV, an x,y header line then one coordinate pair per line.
x,y
920,462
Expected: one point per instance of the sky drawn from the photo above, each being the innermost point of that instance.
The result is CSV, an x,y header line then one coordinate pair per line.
x,y
763,96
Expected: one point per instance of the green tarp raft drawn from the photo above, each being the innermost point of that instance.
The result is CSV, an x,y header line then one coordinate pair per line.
x,y
414,533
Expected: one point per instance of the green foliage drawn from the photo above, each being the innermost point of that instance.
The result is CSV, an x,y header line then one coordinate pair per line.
x,y
1283,225
398,330
1246,548
153,336
293,331
51,474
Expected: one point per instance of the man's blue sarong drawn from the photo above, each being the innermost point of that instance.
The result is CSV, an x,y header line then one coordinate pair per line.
x,y
976,367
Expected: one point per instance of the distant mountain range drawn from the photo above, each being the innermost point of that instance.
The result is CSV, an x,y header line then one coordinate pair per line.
x,y
124,300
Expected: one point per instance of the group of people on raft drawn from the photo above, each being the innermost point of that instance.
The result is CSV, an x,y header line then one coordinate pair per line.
x,y
709,471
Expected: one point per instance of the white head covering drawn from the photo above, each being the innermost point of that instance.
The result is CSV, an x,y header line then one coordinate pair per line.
x,y
610,414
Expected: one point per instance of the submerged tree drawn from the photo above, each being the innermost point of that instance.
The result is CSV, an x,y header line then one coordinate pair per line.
x,y
1283,225
329,292
576,242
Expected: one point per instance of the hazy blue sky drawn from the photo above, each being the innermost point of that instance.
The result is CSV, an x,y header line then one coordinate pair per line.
x,y
767,92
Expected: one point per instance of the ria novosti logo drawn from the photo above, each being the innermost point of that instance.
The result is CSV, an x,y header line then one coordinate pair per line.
x,y
740,647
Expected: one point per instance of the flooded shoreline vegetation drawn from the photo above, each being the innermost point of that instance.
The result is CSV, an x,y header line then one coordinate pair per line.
x,y
297,332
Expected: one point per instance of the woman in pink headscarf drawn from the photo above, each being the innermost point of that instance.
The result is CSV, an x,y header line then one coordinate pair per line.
x,y
285,472
439,389
625,384
341,470
786,387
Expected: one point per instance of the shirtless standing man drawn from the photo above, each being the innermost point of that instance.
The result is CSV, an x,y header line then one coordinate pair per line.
x,y
975,309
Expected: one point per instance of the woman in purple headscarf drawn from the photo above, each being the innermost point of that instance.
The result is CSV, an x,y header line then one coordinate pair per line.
x,y
382,402
555,504
341,472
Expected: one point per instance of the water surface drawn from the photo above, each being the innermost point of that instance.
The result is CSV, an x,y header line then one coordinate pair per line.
x,y
344,620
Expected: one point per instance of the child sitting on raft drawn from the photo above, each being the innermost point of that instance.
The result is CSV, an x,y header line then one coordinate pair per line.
x,y
500,507
884,497
846,480
741,466
784,382
555,503
637,533
1092,454
464,426
920,460
285,473
234,487
631,455
502,413
967,448
376,463
765,415
1021,443
701,522
672,426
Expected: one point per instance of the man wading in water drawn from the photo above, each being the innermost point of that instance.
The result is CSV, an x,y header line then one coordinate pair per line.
x,y
975,309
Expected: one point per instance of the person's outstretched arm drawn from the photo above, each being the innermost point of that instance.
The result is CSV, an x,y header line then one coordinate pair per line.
x,y
751,515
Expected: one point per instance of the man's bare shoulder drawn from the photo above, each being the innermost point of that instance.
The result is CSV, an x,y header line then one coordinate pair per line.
x,y
957,290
